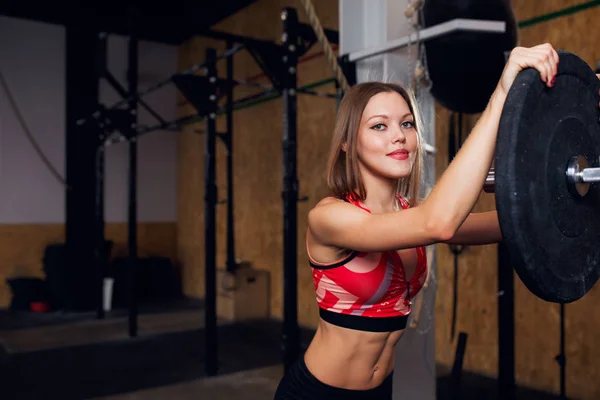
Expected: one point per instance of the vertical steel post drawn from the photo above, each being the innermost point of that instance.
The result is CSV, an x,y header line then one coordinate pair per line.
x,y
99,240
290,345
506,325
231,264
132,81
210,233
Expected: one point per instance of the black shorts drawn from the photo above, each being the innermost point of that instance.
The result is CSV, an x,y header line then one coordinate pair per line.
x,y
300,384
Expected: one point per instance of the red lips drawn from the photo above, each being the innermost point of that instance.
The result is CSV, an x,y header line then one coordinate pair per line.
x,y
399,154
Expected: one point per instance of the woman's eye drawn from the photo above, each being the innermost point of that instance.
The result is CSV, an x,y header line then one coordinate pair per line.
x,y
379,127
407,124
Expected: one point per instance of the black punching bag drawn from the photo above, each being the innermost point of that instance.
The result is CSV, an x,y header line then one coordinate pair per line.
x,y
465,66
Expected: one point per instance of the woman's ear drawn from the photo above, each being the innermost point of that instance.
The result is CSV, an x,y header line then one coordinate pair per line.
x,y
344,147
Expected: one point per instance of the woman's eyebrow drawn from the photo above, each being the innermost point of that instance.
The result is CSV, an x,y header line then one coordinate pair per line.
x,y
408,114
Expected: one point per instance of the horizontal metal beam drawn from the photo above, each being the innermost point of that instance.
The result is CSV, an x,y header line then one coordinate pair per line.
x,y
444,28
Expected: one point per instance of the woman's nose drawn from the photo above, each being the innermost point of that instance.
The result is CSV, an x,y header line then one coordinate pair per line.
x,y
399,136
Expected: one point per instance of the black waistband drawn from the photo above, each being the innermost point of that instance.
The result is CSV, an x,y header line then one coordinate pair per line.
x,y
361,323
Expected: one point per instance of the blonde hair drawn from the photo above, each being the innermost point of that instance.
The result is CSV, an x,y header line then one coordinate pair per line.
x,y
343,176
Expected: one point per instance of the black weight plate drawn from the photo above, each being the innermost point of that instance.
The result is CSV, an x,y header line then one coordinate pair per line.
x,y
552,236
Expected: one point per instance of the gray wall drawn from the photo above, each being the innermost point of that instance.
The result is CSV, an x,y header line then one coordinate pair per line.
x,y
32,61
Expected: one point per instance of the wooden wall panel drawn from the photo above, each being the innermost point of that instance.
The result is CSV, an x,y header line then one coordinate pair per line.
x,y
477,284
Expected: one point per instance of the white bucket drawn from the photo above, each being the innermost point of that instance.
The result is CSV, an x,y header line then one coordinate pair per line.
x,y
107,293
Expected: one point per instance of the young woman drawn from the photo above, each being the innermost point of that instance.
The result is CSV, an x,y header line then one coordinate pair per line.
x,y
366,242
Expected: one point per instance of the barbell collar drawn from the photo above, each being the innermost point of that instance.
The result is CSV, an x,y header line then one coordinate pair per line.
x,y
575,169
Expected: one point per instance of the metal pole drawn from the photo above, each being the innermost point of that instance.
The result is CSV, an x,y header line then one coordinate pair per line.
x,y
561,358
231,265
99,247
290,343
210,202
132,81
506,325
99,240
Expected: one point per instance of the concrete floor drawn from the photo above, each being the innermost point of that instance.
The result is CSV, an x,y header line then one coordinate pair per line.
x,y
93,331
95,359
258,384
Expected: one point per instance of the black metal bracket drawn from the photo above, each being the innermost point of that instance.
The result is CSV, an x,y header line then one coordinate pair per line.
x,y
348,68
308,37
114,120
307,32
268,56
104,73
225,138
196,90
109,77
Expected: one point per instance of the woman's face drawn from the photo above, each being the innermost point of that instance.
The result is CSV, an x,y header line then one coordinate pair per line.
x,y
387,138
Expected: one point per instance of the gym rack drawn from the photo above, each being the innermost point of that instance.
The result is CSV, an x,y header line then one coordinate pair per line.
x,y
118,123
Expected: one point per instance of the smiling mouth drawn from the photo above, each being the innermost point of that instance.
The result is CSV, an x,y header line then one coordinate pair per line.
x,y
398,155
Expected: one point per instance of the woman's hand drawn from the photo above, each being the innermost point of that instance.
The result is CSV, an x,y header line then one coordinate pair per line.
x,y
543,58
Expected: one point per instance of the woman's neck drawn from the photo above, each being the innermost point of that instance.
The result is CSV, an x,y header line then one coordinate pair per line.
x,y
381,195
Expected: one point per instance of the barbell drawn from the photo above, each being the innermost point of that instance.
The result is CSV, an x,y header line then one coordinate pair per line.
x,y
544,179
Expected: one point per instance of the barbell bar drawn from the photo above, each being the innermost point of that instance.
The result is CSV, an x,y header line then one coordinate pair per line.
x,y
577,174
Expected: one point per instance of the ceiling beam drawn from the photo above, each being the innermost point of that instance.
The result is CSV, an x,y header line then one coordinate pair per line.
x,y
112,17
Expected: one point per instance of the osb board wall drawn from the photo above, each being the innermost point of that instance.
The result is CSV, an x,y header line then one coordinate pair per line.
x,y
536,322
257,161
23,247
477,300
155,239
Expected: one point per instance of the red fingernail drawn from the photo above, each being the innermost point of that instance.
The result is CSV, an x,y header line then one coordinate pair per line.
x,y
553,81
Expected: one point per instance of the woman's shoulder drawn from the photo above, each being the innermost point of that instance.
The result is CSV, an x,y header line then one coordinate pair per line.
x,y
327,209
329,200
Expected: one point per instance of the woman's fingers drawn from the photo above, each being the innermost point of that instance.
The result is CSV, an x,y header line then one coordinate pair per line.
x,y
549,58
546,62
543,58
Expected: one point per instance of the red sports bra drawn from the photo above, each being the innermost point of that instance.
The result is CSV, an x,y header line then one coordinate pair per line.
x,y
367,291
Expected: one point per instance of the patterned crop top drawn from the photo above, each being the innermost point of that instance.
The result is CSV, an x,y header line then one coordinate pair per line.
x,y
368,291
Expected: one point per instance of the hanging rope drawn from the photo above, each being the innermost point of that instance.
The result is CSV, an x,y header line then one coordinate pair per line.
x,y
327,49
30,137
